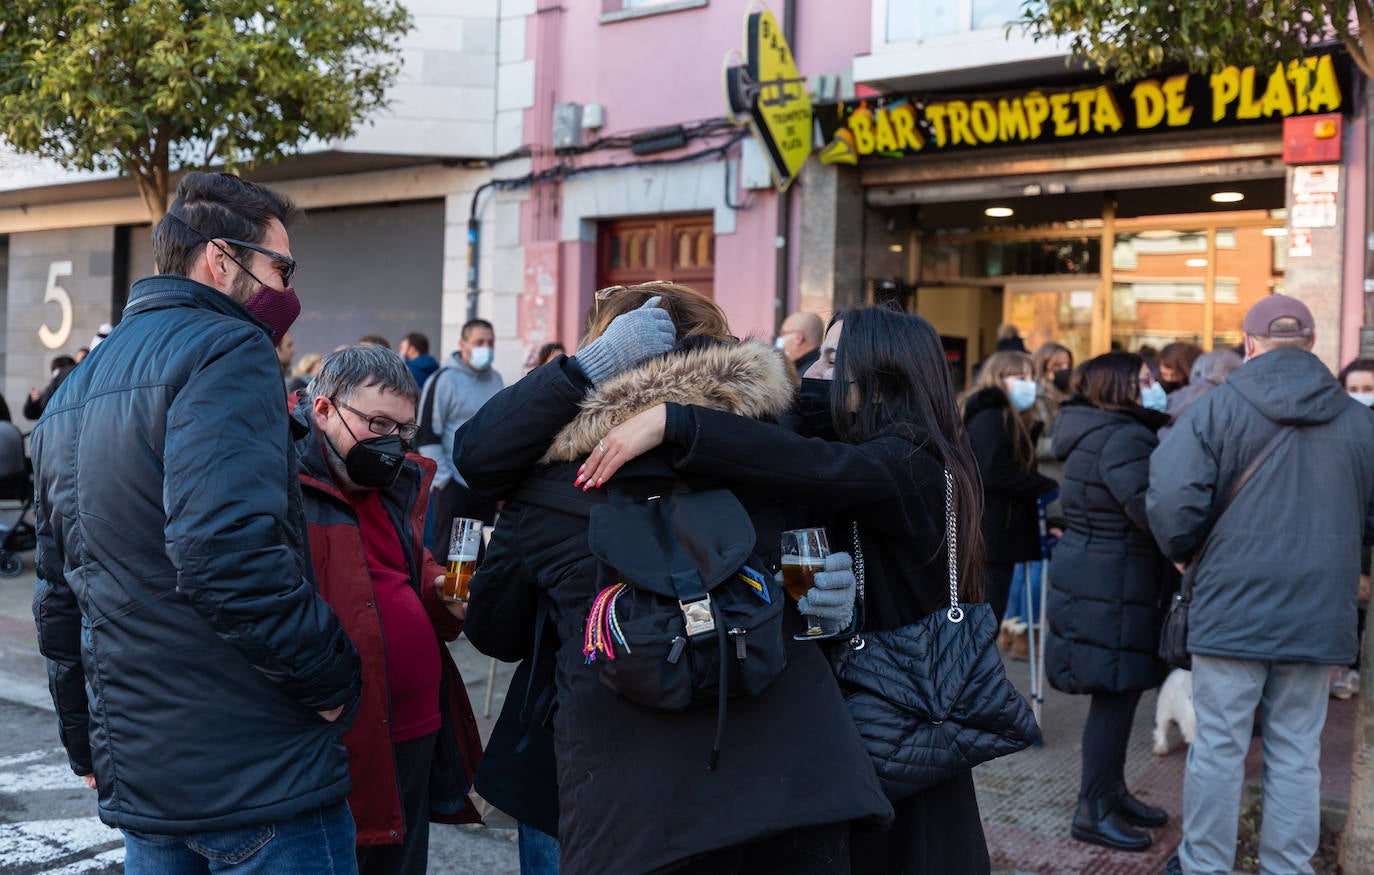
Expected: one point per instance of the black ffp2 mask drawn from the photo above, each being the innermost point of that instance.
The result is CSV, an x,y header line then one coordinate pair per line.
x,y
813,408
374,463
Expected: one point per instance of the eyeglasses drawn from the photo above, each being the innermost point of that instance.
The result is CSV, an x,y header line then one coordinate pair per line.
x,y
382,425
288,264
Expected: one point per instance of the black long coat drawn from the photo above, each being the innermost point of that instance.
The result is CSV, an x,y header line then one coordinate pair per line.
x,y
1107,579
634,791
1011,528
895,490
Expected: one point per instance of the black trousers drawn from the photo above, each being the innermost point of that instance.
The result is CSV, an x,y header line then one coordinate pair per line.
x,y
1105,735
809,850
997,587
411,856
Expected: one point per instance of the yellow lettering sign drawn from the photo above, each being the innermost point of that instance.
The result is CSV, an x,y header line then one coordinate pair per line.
x,y
1011,120
935,114
1149,104
984,119
861,126
1037,112
904,126
1106,114
1178,113
1326,91
1225,89
1063,121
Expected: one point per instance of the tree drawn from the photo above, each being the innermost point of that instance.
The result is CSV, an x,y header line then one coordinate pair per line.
x,y
1134,39
146,87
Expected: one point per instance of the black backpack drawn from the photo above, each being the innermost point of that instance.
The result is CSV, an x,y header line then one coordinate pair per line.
x,y
685,614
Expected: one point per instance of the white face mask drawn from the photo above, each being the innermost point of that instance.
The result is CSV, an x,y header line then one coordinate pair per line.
x,y
781,341
1365,398
1021,393
481,358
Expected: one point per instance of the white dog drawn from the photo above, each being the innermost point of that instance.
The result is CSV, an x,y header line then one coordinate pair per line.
x,y
1174,705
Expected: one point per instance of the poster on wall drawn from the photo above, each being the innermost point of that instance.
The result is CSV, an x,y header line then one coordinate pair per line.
x,y
1314,196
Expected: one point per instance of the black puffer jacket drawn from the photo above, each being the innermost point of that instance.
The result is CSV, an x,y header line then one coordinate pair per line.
x,y
174,587
1107,578
1011,528
635,794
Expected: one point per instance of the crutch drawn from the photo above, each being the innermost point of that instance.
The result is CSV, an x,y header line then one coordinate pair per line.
x,y
1036,645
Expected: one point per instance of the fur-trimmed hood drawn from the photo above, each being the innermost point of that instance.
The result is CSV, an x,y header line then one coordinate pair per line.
x,y
749,379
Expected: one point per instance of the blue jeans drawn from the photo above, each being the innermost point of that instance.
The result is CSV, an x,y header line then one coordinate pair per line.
x,y
318,842
538,852
1016,601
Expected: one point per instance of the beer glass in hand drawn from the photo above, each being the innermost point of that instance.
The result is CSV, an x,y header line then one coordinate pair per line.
x,y
803,555
462,558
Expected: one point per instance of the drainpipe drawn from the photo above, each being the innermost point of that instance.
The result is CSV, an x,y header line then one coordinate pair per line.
x,y
783,260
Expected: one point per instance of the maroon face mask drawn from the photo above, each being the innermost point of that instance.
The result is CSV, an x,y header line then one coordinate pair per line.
x,y
278,308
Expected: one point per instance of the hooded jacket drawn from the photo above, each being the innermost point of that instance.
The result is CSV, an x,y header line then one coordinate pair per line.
x,y
620,764
1011,529
1107,575
459,392
336,550
188,650
1280,579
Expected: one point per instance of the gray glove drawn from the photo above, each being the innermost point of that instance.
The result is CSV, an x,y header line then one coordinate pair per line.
x,y
832,598
629,339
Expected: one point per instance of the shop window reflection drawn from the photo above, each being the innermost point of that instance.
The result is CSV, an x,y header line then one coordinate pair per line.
x,y
982,259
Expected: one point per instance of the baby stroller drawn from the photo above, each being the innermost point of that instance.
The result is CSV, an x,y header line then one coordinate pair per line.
x,y
16,500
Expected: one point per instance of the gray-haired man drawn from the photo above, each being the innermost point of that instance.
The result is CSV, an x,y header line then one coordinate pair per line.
x,y
1274,596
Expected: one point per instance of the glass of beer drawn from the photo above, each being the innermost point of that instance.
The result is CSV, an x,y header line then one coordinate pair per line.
x,y
462,558
803,554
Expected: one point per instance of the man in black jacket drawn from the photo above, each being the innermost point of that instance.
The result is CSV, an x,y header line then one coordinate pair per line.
x,y
1274,600
199,679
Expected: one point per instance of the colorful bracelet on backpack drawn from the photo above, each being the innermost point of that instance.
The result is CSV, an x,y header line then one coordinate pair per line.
x,y
603,628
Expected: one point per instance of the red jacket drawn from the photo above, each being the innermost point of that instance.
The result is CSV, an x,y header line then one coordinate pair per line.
x,y
336,551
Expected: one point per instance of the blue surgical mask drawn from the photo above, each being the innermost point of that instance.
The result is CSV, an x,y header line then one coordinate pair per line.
x,y
1154,398
1364,398
1021,393
780,342
481,358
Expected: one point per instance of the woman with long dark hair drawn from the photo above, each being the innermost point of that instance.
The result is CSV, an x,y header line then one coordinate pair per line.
x,y
634,793
1002,429
1107,582
884,429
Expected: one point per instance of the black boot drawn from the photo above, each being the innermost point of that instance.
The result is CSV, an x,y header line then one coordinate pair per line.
x,y
1135,812
1096,824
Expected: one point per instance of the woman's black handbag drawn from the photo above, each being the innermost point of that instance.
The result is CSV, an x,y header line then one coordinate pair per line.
x,y
1173,633
932,699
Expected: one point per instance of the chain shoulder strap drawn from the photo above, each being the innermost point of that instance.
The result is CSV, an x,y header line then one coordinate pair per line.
x,y
955,613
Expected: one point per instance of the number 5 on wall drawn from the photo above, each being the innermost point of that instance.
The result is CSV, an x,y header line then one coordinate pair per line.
x,y
55,293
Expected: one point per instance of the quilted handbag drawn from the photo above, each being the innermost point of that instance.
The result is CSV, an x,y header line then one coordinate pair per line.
x,y
932,699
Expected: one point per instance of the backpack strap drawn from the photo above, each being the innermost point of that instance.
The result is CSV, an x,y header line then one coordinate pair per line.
x,y
427,436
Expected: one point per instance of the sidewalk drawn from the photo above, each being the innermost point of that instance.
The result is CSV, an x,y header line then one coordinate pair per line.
x,y
1028,799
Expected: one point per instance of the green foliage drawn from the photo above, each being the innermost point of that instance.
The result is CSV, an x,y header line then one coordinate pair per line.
x,y
1135,38
147,86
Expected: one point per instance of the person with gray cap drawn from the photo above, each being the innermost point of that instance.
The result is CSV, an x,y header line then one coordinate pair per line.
x,y
1265,488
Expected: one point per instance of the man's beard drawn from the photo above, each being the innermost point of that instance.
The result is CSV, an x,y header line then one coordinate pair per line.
x,y
243,288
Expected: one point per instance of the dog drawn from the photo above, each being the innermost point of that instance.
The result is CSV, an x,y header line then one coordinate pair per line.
x,y
1174,705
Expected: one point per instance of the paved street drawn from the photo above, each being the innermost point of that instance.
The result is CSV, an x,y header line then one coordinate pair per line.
x,y
48,823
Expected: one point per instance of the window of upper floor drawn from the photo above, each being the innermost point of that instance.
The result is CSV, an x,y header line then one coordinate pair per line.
x,y
938,43
621,10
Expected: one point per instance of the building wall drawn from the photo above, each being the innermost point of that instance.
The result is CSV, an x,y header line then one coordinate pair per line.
x,y
655,70
79,263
